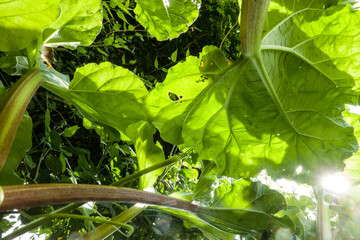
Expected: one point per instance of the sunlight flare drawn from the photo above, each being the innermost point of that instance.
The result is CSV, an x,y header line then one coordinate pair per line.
x,y
336,183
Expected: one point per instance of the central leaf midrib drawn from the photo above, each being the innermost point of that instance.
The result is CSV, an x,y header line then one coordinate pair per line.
x,y
258,63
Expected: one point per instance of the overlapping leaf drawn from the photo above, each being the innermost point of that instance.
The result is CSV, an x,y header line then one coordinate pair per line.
x,y
148,153
79,24
106,93
277,112
167,19
21,22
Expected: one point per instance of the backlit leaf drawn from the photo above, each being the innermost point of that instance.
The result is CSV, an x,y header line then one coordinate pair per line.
x,y
276,111
21,22
166,19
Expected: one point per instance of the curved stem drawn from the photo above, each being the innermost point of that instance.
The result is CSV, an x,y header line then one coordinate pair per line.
x,y
12,108
146,170
105,230
25,196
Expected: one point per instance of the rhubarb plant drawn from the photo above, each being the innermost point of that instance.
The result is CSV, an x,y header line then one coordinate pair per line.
x,y
279,107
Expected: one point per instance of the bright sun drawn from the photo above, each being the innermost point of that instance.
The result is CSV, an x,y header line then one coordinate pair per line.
x,y
335,183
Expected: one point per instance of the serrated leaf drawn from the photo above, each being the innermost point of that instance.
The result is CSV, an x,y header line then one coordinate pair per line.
x,y
166,19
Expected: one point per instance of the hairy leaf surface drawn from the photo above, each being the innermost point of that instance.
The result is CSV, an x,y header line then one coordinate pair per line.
x,y
166,19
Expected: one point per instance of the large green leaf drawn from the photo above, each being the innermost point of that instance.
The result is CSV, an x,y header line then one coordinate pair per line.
x,y
249,195
276,111
21,22
211,232
352,168
79,24
244,221
148,153
167,19
106,93
281,9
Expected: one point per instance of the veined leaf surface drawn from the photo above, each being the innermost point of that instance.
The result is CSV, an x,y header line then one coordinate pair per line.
x,y
106,93
23,21
167,19
276,111
79,24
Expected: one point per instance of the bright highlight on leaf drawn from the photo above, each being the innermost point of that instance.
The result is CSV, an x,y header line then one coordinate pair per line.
x,y
336,183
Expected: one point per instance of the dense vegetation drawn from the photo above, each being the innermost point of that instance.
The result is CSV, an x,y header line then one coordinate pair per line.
x,y
196,107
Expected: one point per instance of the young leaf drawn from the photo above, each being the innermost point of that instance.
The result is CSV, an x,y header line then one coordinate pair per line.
x,y
70,131
148,153
166,19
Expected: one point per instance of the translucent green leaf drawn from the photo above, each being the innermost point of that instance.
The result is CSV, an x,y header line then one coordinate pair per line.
x,y
148,153
277,111
248,195
352,168
21,22
281,9
165,109
166,19
104,93
243,221
79,24
208,230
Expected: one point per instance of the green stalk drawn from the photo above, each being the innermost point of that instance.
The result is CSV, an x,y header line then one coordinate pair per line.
x,y
253,14
12,108
80,217
34,195
323,226
154,167
105,230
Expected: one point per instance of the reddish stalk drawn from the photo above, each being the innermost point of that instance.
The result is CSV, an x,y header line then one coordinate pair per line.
x,y
25,196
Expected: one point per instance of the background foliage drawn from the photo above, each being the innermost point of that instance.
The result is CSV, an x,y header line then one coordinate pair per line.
x,y
68,147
